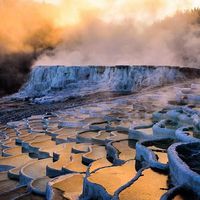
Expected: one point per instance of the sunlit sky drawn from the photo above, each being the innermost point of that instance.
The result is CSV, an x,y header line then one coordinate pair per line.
x,y
146,11
101,3
50,1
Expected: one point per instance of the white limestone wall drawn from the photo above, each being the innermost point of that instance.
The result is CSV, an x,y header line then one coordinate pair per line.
x,y
55,83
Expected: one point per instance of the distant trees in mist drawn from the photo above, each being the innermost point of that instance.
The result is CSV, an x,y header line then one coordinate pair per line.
x,y
13,71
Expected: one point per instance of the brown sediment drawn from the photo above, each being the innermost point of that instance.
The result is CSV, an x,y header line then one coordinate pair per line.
x,y
70,185
119,175
126,149
151,186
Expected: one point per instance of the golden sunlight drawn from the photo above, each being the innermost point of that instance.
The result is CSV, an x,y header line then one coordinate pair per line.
x,y
145,11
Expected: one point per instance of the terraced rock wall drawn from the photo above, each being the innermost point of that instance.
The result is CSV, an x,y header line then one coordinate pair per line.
x,y
106,150
56,83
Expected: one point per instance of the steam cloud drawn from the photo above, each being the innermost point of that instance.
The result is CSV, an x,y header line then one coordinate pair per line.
x,y
106,32
129,32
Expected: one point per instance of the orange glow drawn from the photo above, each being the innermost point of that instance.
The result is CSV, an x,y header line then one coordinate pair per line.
x,y
146,11
53,16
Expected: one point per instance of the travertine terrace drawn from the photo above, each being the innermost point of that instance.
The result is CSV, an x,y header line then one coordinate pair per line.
x,y
132,146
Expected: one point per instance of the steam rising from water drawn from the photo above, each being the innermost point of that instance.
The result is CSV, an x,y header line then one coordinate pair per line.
x,y
105,32
126,32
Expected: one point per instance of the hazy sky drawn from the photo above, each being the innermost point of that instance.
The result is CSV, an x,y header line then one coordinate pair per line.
x,y
95,29
146,11
50,1
99,31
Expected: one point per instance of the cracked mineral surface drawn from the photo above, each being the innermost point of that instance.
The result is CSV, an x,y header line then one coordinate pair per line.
x,y
104,145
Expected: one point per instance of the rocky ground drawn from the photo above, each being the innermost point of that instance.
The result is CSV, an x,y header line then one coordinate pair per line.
x,y
16,110
101,146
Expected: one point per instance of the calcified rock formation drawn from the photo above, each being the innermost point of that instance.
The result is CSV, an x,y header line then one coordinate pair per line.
x,y
107,150
57,83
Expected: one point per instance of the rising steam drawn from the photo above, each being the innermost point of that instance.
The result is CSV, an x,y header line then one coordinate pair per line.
x,y
87,32
127,32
